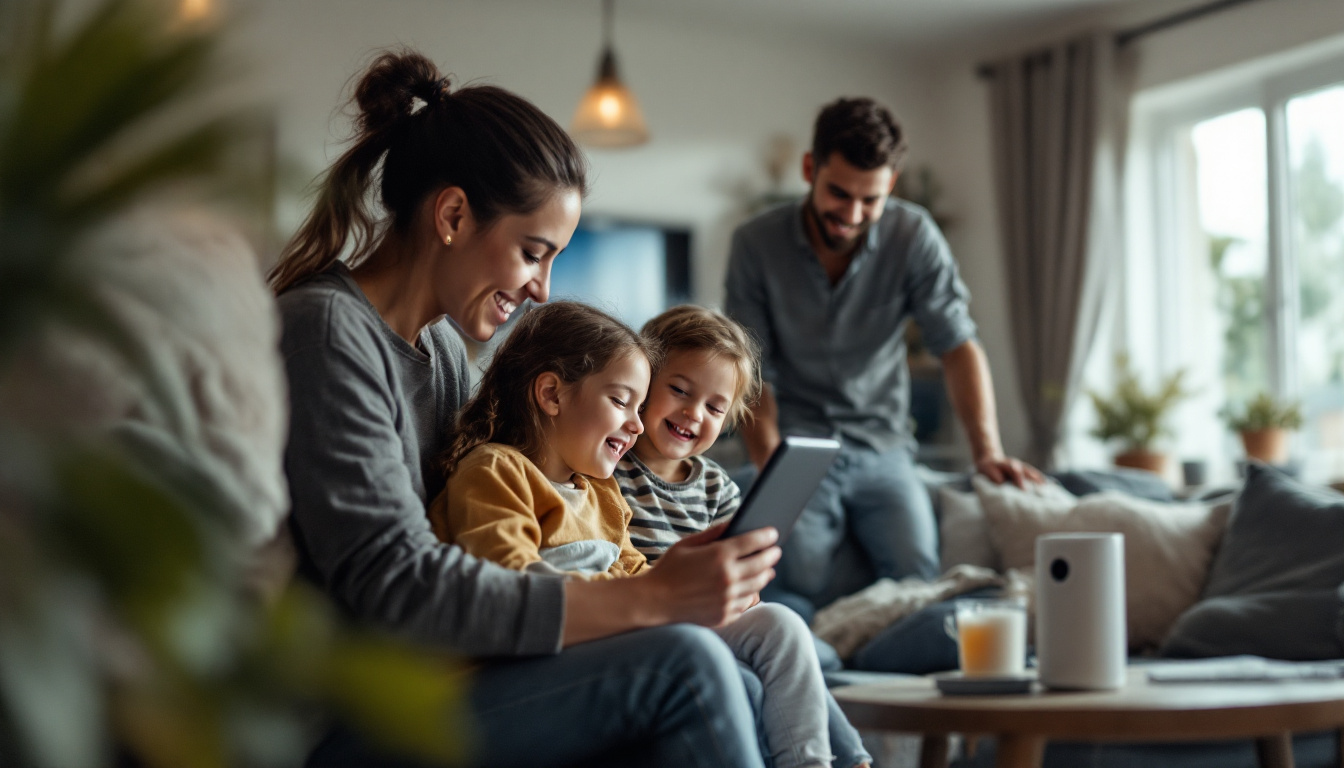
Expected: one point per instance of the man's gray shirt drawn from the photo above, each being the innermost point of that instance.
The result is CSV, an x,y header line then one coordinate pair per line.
x,y
370,416
836,355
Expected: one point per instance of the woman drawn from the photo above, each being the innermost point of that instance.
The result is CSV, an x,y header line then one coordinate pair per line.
x,y
481,191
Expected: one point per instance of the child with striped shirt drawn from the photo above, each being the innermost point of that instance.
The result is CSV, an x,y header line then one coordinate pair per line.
x,y
706,380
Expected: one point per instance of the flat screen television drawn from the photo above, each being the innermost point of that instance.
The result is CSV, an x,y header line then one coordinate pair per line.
x,y
630,269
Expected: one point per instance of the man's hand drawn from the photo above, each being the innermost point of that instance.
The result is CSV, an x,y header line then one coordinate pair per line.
x,y
971,390
1002,469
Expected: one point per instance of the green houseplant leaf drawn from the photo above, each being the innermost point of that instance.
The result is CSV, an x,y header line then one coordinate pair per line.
x,y
1263,411
1132,415
125,623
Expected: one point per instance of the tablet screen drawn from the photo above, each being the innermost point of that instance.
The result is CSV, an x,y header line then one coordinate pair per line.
x,y
784,487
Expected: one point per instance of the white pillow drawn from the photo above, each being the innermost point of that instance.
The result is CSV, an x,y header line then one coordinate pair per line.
x,y
1168,547
963,538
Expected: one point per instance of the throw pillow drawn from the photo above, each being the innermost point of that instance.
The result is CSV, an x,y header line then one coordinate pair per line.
x,y
1168,547
1296,626
1283,536
1339,622
1275,584
1135,482
962,536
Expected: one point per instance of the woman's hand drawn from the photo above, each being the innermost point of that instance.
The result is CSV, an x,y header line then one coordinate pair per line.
x,y
700,580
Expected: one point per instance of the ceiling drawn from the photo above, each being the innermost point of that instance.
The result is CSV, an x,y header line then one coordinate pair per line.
x,y
920,25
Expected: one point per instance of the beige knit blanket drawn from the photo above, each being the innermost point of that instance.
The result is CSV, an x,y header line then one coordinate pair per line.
x,y
850,622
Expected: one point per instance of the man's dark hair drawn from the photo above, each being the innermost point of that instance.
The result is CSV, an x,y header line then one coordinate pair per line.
x,y
862,131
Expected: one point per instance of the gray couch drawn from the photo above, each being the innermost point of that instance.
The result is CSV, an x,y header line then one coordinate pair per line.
x,y
1275,588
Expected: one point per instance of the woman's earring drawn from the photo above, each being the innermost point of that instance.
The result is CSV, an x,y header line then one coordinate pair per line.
x,y
447,239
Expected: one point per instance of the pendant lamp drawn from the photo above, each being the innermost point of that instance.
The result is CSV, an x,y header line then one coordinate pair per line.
x,y
608,115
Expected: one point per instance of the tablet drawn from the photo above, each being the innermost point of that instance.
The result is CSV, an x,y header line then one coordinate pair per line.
x,y
784,487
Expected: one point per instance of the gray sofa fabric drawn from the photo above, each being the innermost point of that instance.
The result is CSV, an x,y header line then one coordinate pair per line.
x,y
1282,536
1296,626
1274,588
1135,482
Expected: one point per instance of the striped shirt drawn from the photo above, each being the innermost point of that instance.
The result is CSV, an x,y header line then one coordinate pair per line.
x,y
664,512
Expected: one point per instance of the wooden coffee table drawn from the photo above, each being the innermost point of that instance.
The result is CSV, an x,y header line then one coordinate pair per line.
x,y
1269,712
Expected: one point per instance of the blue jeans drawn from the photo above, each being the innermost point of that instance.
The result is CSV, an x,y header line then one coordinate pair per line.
x,y
876,501
671,696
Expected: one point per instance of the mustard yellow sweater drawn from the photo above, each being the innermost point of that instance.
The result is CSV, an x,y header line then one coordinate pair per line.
x,y
498,505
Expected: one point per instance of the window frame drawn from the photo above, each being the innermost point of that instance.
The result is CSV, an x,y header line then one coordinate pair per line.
x,y
1158,179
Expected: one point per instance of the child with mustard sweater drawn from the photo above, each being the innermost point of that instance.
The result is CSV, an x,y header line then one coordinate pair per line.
x,y
530,486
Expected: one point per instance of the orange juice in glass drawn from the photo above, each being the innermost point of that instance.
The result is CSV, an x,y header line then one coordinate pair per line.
x,y
991,636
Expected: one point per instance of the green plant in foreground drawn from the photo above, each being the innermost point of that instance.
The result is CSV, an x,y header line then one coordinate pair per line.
x,y
1133,415
126,633
1264,411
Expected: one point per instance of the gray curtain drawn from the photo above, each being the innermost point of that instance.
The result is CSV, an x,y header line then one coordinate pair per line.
x,y
1056,162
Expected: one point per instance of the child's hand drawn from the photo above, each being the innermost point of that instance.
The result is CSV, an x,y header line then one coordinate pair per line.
x,y
702,580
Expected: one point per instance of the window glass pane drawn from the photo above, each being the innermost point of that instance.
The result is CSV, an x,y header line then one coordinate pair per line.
x,y
1233,212
1222,336
1316,194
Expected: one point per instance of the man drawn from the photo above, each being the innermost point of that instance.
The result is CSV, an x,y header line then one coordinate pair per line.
x,y
828,287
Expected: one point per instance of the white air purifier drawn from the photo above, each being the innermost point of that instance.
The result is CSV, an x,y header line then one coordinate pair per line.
x,y
1080,610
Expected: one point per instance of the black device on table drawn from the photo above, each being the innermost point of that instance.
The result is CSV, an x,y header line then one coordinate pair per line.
x,y
785,485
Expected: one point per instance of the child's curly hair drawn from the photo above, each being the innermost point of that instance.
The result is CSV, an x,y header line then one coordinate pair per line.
x,y
567,338
689,327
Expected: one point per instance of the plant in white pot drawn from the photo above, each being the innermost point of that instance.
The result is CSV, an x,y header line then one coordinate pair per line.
x,y
1264,424
1135,417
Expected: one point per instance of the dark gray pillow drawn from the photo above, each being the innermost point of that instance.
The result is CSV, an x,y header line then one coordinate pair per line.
x,y
1282,537
1296,626
1135,482
1274,586
1339,625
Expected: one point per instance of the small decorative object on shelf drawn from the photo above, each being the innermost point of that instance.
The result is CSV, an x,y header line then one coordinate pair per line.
x,y
1136,417
1264,424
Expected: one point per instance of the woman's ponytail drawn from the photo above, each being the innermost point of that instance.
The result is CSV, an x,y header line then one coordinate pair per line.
x,y
414,136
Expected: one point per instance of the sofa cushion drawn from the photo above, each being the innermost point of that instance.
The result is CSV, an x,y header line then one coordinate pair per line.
x,y
1339,620
1274,587
917,644
1135,482
1282,536
963,538
1168,547
1297,626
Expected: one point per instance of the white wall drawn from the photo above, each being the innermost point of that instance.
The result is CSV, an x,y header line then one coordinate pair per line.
x,y
712,98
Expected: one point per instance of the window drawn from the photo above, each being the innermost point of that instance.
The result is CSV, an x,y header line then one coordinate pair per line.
x,y
1315,222
1243,239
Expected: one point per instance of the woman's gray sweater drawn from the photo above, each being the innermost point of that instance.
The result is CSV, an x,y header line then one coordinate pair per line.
x,y
370,413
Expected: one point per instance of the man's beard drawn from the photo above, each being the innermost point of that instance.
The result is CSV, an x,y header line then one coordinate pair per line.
x,y
819,224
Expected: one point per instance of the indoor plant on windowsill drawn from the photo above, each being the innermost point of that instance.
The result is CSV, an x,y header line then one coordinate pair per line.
x,y
1264,424
1137,417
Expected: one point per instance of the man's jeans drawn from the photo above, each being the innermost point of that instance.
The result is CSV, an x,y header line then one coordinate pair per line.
x,y
671,696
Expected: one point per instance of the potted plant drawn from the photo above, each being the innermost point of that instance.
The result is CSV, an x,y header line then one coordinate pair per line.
x,y
1136,417
129,634
1263,424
